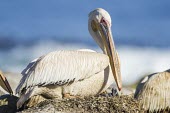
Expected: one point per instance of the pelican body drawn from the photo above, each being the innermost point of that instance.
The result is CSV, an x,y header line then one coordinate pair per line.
x,y
62,74
153,92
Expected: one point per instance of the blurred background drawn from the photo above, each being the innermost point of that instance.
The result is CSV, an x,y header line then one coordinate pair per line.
x,y
29,29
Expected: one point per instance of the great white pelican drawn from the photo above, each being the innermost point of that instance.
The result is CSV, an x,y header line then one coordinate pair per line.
x,y
62,74
153,92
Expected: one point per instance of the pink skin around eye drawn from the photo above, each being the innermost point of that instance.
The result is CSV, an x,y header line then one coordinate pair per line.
x,y
104,22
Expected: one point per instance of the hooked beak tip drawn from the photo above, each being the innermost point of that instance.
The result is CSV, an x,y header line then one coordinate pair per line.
x,y
119,88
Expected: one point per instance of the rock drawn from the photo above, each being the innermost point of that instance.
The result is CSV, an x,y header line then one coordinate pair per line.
x,y
100,104
88,105
113,91
1,92
8,104
49,108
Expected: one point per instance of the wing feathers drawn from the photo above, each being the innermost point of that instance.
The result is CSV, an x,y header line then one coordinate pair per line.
x,y
155,92
62,67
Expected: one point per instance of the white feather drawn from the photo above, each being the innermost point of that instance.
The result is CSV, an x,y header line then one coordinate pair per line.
x,y
154,94
63,67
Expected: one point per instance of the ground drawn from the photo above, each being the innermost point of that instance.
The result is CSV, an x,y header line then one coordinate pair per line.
x,y
100,104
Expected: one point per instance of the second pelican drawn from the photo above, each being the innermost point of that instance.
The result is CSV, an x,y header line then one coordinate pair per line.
x,y
63,74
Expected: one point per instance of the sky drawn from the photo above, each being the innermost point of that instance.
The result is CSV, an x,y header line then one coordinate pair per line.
x,y
144,22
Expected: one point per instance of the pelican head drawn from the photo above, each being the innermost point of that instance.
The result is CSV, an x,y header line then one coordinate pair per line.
x,y
99,25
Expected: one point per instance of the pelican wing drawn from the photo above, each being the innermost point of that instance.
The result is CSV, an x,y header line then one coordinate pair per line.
x,y
4,83
62,67
155,91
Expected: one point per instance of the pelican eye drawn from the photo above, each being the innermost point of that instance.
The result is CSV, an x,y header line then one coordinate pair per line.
x,y
104,23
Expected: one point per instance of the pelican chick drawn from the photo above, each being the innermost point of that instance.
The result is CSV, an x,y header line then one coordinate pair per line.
x,y
66,74
153,92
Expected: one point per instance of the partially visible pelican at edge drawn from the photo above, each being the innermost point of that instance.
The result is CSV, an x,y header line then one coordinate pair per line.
x,y
153,92
4,83
63,74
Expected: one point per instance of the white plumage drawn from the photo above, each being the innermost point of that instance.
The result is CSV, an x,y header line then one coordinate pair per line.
x,y
153,92
62,67
75,73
